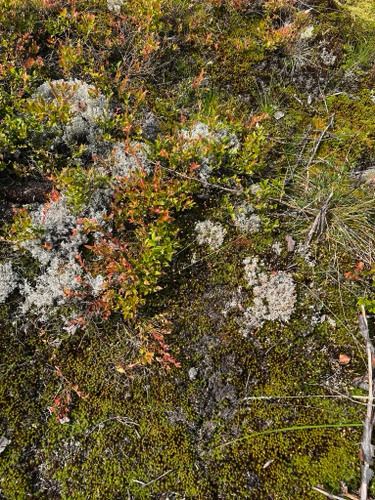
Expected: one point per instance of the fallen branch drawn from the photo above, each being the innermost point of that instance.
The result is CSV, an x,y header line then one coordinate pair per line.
x,y
203,182
366,446
328,495
144,485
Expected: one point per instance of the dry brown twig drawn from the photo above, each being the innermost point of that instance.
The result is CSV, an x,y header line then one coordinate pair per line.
x,y
329,495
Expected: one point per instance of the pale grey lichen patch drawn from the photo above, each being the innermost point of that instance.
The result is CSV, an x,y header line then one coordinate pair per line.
x,y
274,297
235,302
125,160
55,245
328,58
203,131
114,6
96,283
254,316
50,287
86,102
8,280
277,247
210,234
58,230
307,32
246,220
255,189
193,372
252,270
305,252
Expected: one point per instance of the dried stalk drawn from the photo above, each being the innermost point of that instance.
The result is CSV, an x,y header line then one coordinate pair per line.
x,y
144,485
328,495
318,223
366,446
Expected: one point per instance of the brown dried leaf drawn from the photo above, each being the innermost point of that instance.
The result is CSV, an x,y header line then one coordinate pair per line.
x,y
344,359
290,242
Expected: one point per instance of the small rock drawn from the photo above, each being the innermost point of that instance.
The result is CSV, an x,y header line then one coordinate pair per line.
x,y
4,443
291,243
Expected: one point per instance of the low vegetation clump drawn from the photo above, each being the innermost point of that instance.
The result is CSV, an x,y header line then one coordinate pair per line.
x,y
186,237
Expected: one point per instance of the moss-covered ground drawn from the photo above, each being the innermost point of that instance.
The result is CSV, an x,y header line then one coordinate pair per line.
x,y
102,412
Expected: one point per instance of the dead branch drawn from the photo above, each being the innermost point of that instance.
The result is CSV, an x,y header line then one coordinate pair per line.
x,y
201,181
366,446
144,485
328,495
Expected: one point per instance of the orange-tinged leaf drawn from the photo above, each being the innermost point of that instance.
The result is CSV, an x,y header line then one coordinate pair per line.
x,y
344,359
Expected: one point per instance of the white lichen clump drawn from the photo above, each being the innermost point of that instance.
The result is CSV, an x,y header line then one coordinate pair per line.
x,y
114,6
255,188
274,296
49,289
125,160
277,248
305,253
202,131
246,220
55,249
86,102
210,234
235,302
56,236
60,238
8,281
60,233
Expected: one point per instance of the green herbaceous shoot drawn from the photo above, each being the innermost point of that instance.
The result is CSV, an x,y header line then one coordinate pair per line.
x,y
187,240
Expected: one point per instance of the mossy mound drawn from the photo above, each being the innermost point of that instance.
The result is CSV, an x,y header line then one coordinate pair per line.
x,y
217,220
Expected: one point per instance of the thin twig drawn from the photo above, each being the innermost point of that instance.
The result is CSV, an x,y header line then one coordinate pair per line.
x,y
366,446
328,495
122,420
203,182
144,485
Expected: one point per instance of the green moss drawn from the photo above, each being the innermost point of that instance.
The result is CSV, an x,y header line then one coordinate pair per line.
x,y
150,432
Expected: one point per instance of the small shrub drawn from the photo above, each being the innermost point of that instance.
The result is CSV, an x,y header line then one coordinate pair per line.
x,y
132,258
